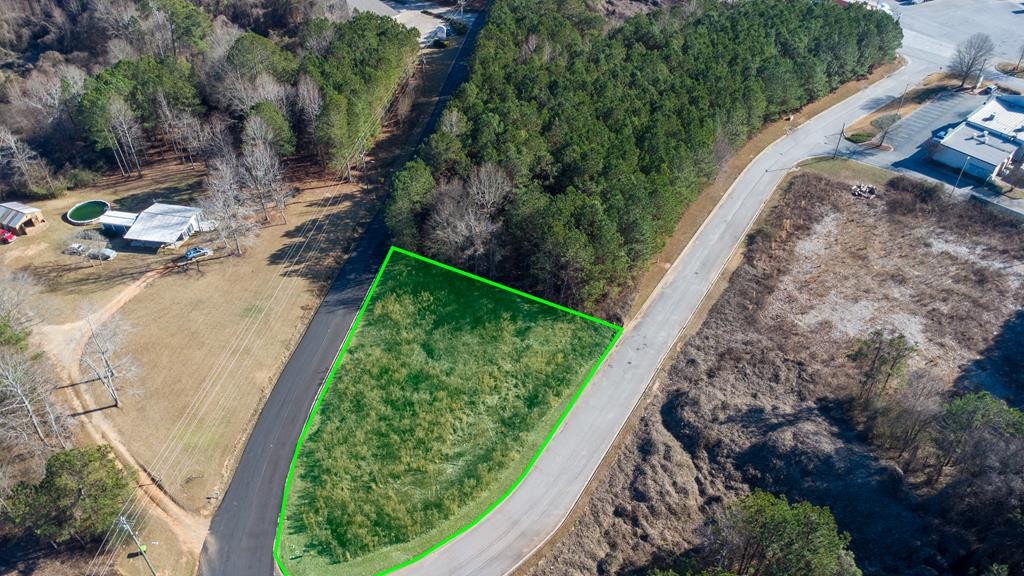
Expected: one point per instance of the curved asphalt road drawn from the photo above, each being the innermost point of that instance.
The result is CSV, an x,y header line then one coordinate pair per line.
x,y
241,537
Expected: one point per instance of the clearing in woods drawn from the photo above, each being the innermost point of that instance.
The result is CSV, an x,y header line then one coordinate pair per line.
x,y
446,389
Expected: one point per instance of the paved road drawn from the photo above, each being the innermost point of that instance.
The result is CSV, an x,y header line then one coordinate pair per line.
x,y
241,537
540,504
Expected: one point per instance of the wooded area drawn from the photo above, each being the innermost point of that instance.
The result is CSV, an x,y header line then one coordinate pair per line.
x,y
605,137
161,74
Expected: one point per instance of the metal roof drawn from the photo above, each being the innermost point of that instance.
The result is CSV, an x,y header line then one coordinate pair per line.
x,y
991,149
162,223
116,218
12,214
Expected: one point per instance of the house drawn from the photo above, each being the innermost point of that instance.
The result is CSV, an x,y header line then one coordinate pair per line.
x,y
116,222
376,6
20,219
988,142
159,226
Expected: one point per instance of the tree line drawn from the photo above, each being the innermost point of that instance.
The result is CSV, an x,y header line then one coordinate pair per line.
x,y
164,74
602,138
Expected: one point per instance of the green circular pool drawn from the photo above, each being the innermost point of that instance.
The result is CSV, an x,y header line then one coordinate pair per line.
x,y
88,211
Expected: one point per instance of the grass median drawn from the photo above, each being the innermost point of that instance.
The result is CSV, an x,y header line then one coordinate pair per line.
x,y
444,393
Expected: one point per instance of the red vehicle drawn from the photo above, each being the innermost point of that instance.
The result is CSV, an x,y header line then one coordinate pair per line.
x,y
6,237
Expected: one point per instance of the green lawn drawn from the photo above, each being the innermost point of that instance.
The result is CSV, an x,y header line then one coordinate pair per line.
x,y
443,395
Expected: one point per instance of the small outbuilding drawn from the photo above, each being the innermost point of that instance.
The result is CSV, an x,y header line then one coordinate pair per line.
x,y
20,219
116,222
163,225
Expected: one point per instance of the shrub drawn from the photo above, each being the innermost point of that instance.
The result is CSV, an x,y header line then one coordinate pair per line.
x,y
764,534
80,178
79,497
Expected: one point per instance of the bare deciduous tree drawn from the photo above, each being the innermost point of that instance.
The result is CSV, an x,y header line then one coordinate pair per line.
x,y
126,132
239,92
489,187
224,204
157,34
48,90
119,49
971,57
19,287
454,122
118,17
261,167
25,401
309,102
21,160
465,219
217,140
106,357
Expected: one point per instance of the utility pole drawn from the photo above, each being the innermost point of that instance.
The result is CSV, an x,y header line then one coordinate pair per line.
x,y
123,522
962,168
900,107
839,141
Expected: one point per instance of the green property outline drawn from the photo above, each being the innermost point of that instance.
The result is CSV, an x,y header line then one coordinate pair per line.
x,y
341,354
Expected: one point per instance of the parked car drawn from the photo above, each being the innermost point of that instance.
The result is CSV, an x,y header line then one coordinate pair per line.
x,y
75,249
103,254
197,252
6,237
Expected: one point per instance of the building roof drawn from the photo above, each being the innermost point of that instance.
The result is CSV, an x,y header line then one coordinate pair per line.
x,y
375,6
1003,115
989,148
162,223
14,213
116,218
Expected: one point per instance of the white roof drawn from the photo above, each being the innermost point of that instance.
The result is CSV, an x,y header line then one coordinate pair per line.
x,y
162,223
1003,115
375,6
991,148
116,218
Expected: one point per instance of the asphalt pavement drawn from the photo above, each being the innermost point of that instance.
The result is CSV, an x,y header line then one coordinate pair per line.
x,y
241,537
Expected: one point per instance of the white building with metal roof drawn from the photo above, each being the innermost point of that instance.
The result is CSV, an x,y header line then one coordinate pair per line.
x,y
988,141
160,225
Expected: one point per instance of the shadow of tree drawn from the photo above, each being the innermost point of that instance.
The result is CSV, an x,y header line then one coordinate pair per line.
x,y
1000,369
180,194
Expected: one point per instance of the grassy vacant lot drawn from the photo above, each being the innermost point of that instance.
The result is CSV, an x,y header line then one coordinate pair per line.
x,y
444,393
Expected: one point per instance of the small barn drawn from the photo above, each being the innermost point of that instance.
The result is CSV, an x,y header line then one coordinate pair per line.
x,y
163,225
20,219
